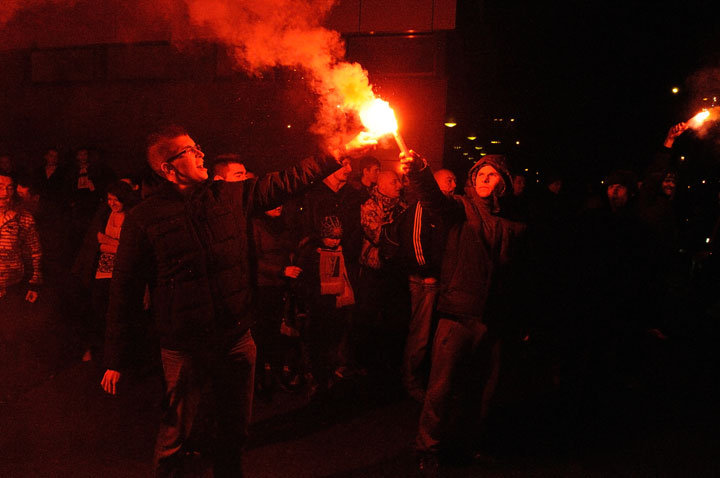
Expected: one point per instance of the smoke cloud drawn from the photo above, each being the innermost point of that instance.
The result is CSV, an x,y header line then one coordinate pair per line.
x,y
260,34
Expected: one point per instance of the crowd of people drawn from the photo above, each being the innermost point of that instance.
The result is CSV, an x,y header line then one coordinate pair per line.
x,y
335,269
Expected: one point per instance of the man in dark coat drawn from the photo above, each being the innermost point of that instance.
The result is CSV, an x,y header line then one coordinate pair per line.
x,y
190,241
474,304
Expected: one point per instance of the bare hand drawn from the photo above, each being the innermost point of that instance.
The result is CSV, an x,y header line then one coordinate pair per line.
x,y
674,132
360,144
110,380
31,296
292,272
412,162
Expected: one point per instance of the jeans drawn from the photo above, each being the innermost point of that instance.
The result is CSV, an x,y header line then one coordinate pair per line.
x,y
423,295
463,376
231,373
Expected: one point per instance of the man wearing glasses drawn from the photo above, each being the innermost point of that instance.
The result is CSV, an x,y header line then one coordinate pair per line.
x,y
190,242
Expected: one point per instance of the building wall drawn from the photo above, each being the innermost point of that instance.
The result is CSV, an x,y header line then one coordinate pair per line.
x,y
71,85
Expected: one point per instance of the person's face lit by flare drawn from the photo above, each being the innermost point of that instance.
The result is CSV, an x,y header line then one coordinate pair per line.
x,y
618,195
331,242
389,184
23,192
370,175
669,185
186,166
7,189
235,172
51,157
114,203
486,180
446,181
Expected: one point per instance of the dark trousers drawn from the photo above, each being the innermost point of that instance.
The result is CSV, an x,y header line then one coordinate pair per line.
x,y
463,377
231,374
266,330
423,295
380,318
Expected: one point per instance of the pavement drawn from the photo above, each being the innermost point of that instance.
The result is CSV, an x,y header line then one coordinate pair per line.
x,y
55,421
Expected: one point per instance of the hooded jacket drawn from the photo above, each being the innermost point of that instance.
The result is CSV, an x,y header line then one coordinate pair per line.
x,y
477,271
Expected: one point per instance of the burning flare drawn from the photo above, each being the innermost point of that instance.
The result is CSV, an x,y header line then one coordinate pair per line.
x,y
379,120
696,121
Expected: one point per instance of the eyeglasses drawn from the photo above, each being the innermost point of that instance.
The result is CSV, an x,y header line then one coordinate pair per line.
x,y
195,149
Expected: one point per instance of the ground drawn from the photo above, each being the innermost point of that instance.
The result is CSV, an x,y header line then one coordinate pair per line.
x,y
57,422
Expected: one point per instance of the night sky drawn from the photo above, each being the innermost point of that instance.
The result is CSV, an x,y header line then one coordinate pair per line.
x,y
590,82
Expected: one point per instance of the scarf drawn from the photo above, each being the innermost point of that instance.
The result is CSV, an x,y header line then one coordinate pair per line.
x,y
333,277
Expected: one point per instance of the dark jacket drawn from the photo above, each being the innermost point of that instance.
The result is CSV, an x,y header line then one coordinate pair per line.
x,y
415,241
194,251
306,213
476,282
273,246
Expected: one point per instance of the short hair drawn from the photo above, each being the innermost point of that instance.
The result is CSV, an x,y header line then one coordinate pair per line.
x,y
222,160
366,162
156,140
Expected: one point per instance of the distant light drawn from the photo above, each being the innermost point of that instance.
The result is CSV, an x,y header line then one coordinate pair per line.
x,y
537,173
707,240
500,119
705,99
682,158
472,138
478,147
689,187
470,158
483,154
457,147
512,119
537,180
494,142
602,182
465,154
703,181
517,142
675,90
289,126
450,124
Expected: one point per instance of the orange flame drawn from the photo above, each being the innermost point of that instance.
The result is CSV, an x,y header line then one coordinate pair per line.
x,y
378,118
696,121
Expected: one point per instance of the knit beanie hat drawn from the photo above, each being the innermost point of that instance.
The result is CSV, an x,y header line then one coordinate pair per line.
x,y
331,227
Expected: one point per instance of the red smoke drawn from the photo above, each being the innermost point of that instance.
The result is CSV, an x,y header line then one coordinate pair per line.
x,y
260,33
